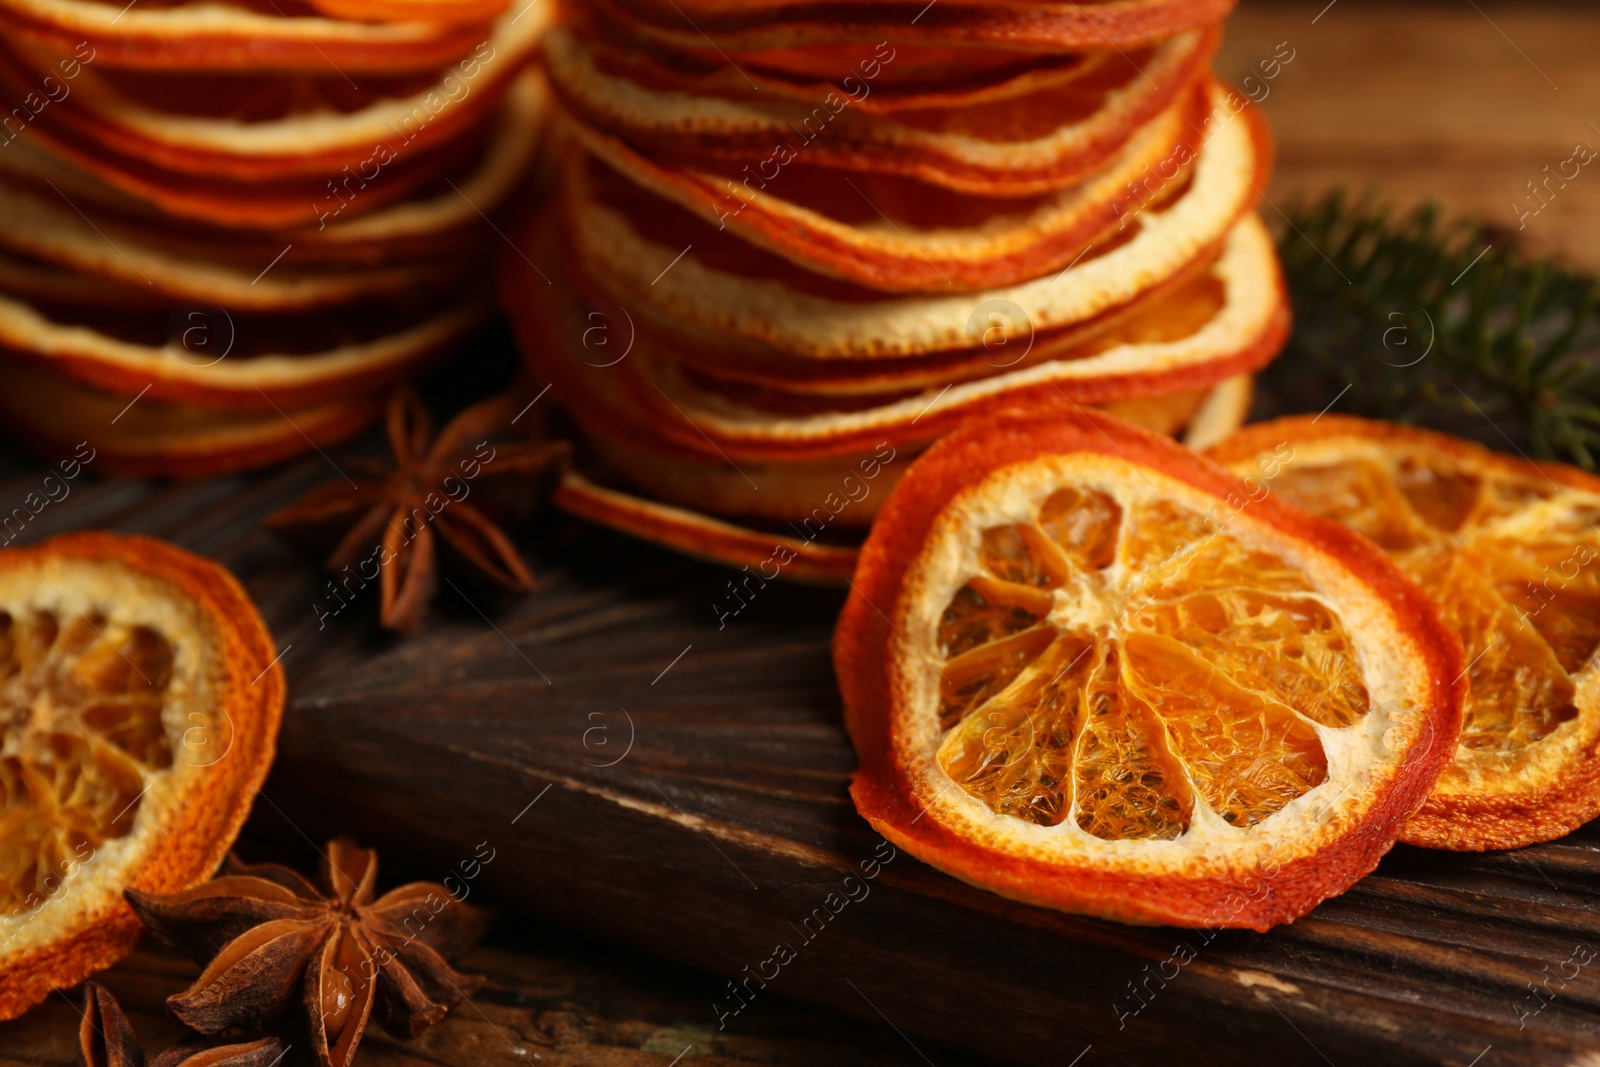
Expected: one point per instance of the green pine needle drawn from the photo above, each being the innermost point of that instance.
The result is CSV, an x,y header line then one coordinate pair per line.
x,y
1440,325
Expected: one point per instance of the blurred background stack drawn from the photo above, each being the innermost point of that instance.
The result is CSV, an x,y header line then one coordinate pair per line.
x,y
800,247
225,231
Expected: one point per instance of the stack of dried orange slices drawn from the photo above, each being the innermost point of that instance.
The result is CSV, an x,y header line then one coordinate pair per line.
x,y
802,240
252,218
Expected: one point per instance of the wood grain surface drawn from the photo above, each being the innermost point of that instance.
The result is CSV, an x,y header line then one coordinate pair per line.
x,y
541,1007
725,824
655,785
1461,102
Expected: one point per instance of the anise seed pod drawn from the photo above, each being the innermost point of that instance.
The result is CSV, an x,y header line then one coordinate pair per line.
x,y
270,939
196,1052
105,1037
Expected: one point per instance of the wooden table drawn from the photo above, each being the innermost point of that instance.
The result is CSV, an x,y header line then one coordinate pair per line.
x,y
1462,102
573,1005
1425,101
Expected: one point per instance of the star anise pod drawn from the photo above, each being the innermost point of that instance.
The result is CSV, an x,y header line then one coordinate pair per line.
x,y
270,939
106,1039
451,491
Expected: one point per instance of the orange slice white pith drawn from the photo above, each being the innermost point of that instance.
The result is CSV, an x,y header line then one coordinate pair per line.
x,y
1510,552
1082,668
139,703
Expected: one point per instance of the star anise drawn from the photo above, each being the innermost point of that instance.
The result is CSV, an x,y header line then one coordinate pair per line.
x,y
269,939
452,491
106,1039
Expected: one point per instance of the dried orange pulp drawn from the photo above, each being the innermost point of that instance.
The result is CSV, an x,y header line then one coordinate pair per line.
x,y
139,698
1082,668
1509,551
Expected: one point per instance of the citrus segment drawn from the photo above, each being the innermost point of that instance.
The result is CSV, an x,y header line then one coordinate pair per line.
x,y
1290,649
1128,786
1082,668
1084,523
1246,755
1019,751
1513,672
82,719
139,698
987,609
973,677
1505,548
1201,676
1359,495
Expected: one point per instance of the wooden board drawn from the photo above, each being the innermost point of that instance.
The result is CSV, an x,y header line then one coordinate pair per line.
x,y
542,1006
725,824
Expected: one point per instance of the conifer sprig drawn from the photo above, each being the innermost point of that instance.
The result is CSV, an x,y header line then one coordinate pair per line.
x,y
1447,325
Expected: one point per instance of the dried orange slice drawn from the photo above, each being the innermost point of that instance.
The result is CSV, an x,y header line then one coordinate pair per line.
x,y
687,494
818,217
1034,25
423,228
732,293
186,35
905,77
140,694
782,469
1232,320
291,202
263,128
52,230
700,535
411,10
1508,549
1043,135
1083,669
326,356
50,415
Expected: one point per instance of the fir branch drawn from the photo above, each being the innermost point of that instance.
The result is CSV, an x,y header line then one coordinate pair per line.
x,y
1446,325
